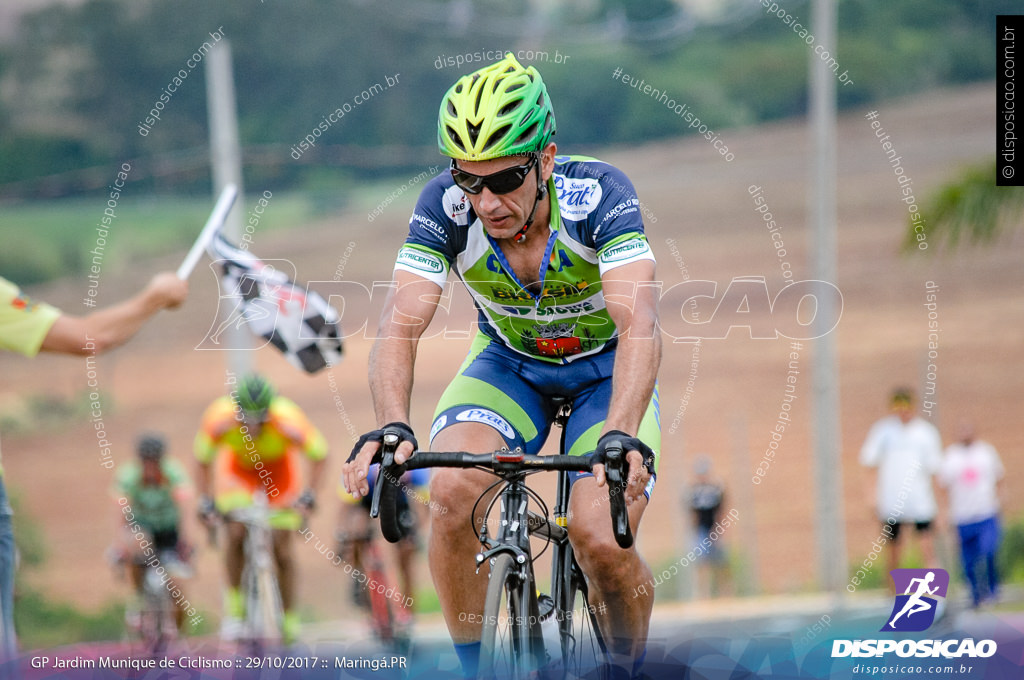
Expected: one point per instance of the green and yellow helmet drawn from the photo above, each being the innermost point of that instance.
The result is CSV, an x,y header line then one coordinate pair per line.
x,y
500,110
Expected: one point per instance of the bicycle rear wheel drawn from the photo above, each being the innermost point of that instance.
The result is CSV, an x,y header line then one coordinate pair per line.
x,y
511,629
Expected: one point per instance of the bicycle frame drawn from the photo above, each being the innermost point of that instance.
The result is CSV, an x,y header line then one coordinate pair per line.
x,y
517,524
259,572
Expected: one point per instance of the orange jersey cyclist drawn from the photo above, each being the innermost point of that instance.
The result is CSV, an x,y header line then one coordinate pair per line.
x,y
251,442
553,252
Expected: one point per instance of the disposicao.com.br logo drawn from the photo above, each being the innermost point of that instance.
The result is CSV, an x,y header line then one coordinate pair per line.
x,y
918,595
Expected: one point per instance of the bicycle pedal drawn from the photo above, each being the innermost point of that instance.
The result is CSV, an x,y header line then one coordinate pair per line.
x,y
545,606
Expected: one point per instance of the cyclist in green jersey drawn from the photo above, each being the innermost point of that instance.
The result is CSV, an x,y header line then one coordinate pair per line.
x,y
553,252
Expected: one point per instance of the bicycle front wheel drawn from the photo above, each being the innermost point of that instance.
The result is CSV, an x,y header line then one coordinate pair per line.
x,y
582,645
510,629
264,611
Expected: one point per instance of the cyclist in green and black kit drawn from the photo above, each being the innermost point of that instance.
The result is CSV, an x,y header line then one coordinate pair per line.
x,y
149,495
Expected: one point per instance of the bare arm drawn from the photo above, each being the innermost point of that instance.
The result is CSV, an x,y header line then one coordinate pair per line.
x,y
633,307
107,328
204,480
408,310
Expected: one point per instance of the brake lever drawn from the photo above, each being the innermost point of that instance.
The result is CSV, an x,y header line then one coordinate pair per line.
x,y
387,458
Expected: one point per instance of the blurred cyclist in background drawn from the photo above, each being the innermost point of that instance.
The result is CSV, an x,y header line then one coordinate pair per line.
x,y
354,533
26,327
249,441
153,488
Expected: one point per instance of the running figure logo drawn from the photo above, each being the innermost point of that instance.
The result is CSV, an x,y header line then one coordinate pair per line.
x,y
915,609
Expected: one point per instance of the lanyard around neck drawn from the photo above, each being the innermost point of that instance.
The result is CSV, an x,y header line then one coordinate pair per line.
x,y
555,223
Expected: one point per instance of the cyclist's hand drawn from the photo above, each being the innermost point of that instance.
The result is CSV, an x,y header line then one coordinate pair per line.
x,y
639,456
207,512
367,452
306,502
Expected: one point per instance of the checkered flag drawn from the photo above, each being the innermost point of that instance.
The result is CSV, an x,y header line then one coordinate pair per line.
x,y
297,321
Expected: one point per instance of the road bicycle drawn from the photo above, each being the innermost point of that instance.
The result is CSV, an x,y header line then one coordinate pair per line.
x,y
374,599
263,623
512,641
151,621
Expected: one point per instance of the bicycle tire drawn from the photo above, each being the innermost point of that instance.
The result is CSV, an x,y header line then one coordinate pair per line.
x,y
271,609
583,648
510,631
381,613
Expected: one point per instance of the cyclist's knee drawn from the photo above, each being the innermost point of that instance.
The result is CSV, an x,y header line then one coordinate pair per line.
x,y
596,550
452,494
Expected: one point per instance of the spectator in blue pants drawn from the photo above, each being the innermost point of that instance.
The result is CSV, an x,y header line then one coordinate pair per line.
x,y
971,472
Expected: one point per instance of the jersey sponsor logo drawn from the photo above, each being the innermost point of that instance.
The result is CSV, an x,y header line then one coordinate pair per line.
x,y
623,208
625,251
428,223
575,308
558,347
456,205
421,261
438,424
487,417
577,197
493,265
559,260
555,290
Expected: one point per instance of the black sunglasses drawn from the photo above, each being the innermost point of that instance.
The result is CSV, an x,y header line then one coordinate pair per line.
x,y
501,182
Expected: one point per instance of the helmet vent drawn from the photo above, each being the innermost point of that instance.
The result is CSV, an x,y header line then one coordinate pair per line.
x,y
451,108
496,136
453,137
529,132
510,107
513,87
474,133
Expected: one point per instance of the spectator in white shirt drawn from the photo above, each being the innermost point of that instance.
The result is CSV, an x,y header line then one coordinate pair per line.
x,y
907,451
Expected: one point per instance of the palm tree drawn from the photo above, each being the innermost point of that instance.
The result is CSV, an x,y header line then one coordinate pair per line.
x,y
970,208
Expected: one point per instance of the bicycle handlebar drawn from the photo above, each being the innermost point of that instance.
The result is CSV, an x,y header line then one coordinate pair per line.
x,y
385,491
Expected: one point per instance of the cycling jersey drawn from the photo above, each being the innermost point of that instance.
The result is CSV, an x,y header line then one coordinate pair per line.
x,y
155,506
595,226
269,460
286,430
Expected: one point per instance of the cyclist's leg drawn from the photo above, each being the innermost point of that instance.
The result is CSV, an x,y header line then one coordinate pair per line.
x,y
488,405
613,574
165,542
452,544
285,566
233,490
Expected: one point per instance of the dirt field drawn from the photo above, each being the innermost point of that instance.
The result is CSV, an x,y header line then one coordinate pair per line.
x,y
706,228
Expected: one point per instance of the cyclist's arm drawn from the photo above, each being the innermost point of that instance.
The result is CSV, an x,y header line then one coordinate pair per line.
x,y
633,305
107,328
408,309
205,451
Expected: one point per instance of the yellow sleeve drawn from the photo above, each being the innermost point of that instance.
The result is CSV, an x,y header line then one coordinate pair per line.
x,y
217,418
291,421
23,322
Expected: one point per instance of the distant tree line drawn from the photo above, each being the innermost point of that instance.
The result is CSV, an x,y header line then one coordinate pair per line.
x,y
78,82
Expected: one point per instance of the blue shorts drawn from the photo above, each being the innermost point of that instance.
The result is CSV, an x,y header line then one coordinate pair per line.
x,y
512,394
